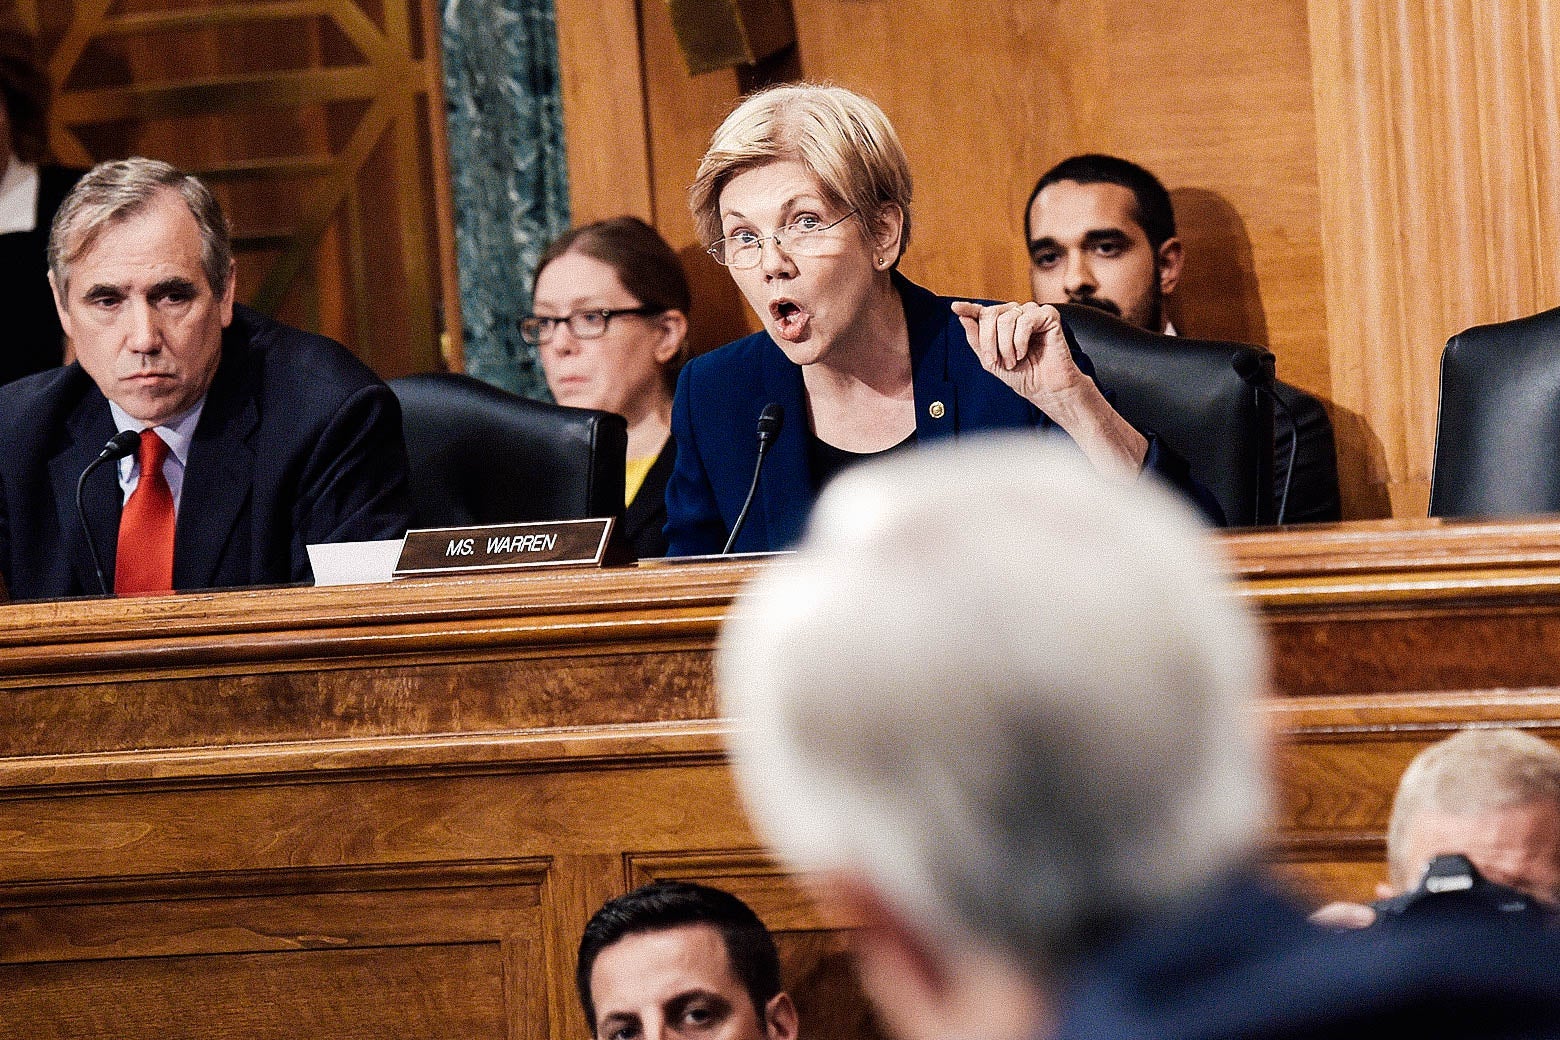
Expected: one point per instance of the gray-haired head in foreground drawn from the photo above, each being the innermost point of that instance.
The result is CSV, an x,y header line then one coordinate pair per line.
x,y
1017,698
1475,771
114,191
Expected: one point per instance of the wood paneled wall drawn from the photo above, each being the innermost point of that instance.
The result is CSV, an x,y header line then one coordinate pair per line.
x,y
1440,168
317,123
1355,181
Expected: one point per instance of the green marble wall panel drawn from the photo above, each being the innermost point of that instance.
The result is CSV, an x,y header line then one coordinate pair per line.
x,y
510,177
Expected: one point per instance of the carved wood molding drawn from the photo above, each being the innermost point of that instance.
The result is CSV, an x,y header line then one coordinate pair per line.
x,y
1382,569
504,615
1420,718
1329,847
1403,548
286,881
606,595
559,750
644,868
753,875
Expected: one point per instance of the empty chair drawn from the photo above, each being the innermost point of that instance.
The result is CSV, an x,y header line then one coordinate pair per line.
x,y
481,455
1199,396
1498,429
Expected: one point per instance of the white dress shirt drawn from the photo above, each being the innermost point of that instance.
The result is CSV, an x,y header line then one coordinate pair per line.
x,y
18,197
177,433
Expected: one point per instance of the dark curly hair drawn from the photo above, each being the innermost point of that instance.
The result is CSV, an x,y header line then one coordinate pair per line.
x,y
1155,214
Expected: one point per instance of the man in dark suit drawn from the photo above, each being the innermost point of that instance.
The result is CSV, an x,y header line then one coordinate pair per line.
x,y
247,440
1018,747
1101,232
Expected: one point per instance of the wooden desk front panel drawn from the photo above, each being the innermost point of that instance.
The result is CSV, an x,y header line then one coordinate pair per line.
x,y
438,886
1350,610
376,888
352,812
392,809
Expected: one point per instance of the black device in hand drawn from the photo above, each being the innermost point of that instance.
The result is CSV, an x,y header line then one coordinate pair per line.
x,y
1452,884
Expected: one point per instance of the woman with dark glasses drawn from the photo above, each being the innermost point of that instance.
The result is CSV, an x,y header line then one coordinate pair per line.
x,y
610,322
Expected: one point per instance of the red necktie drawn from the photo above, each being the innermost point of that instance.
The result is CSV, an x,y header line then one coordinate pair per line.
x,y
144,564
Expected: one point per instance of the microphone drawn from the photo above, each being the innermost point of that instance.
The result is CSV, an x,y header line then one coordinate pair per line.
x,y
1250,368
123,443
769,422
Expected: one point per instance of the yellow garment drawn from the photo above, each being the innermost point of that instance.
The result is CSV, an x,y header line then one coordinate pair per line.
x,y
634,473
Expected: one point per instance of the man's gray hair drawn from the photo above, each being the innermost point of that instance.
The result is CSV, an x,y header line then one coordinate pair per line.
x,y
1475,771
1018,698
113,191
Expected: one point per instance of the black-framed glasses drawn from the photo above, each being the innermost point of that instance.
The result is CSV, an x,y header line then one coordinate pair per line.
x,y
592,324
802,237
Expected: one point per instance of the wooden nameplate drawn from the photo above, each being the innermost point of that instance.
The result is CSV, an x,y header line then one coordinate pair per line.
x,y
502,547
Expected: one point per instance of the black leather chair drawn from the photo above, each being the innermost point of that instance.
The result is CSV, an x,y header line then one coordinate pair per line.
x,y
1497,437
1199,396
481,455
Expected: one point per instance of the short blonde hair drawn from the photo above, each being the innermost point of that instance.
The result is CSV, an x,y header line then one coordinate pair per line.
x,y
844,138
1478,770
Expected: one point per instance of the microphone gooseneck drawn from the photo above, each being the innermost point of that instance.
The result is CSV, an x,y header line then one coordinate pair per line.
x,y
1251,369
770,419
123,443
1294,442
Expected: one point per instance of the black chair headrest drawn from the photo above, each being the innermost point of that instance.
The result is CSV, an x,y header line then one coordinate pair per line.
x,y
481,455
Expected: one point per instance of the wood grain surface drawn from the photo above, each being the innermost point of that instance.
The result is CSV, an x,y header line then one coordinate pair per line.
x,y
1439,163
255,812
317,126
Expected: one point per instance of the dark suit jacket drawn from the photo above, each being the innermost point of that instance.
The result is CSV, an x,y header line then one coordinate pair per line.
x,y
298,443
645,516
1313,493
1240,962
715,415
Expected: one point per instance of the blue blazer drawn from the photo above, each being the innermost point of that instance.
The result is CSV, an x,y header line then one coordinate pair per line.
x,y
715,416
298,442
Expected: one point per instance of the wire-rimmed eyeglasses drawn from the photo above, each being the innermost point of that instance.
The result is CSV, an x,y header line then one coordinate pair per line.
x,y
536,329
802,237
